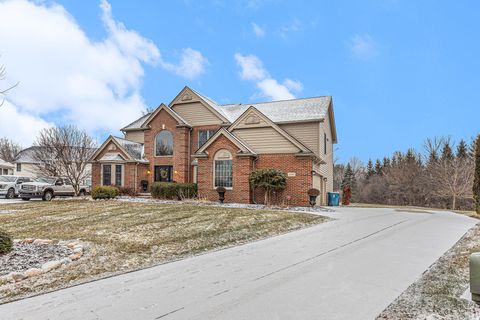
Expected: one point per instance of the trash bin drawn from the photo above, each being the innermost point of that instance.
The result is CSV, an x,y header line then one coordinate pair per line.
x,y
333,199
144,184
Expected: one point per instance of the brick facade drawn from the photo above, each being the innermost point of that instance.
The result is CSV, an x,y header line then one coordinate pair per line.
x,y
241,168
185,144
295,192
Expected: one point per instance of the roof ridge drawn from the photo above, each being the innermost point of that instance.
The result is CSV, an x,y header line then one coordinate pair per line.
x,y
273,101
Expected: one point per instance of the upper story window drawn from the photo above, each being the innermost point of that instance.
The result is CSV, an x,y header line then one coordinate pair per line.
x,y
325,143
164,143
204,135
223,169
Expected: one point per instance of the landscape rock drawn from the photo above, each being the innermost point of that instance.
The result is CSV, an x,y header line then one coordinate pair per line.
x,y
74,257
78,250
33,272
28,240
17,276
42,242
50,265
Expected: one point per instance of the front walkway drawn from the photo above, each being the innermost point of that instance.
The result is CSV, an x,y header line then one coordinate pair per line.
x,y
351,268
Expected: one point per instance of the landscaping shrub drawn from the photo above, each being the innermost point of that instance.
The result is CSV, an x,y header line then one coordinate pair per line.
x,y
6,242
104,192
269,180
172,190
127,191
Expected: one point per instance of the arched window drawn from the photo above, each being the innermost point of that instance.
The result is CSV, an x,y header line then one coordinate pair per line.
x,y
223,169
164,143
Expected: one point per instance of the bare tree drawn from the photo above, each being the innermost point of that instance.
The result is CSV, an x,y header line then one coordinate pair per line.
x,y
452,178
9,149
3,92
64,151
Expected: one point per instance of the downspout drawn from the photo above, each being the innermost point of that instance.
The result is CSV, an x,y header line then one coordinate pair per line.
x,y
189,160
136,177
253,190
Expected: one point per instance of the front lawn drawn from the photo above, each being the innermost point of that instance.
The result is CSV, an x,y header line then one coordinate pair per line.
x,y
125,236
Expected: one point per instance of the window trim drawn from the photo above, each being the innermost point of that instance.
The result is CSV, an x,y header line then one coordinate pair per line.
x,y
210,133
155,145
121,175
103,174
215,159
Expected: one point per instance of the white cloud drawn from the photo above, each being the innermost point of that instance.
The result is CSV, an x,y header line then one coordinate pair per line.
x,y
363,46
294,25
251,68
19,126
257,30
69,78
192,64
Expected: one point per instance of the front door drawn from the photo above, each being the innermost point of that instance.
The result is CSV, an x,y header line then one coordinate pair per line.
x,y
163,173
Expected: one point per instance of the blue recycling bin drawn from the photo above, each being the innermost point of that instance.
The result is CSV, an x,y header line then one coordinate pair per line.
x,y
333,199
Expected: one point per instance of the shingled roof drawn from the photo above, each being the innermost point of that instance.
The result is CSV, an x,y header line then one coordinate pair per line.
x,y
134,149
304,109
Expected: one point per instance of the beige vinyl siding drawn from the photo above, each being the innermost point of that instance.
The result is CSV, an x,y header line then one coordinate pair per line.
x,y
137,136
326,170
307,133
196,114
252,121
265,140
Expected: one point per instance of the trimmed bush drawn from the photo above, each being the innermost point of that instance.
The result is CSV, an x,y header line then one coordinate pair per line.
x,y
104,192
172,190
6,242
127,191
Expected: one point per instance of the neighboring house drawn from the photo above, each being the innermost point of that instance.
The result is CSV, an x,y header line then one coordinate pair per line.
x,y
194,139
6,168
26,165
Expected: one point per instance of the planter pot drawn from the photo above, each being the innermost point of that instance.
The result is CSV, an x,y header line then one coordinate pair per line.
x,y
313,200
221,196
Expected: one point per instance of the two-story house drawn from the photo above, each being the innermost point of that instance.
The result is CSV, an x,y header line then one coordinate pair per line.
x,y
194,139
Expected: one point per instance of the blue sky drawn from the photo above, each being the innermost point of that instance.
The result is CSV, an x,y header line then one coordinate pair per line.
x,y
398,71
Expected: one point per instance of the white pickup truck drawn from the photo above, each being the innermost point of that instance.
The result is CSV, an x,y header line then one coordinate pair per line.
x,y
49,187
10,185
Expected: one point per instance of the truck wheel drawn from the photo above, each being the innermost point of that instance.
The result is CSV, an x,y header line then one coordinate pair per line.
x,y
10,193
47,196
25,199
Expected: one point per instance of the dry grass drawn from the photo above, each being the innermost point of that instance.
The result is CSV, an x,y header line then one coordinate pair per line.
x,y
125,236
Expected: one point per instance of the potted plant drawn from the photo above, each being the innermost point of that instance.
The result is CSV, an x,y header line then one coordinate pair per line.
x,y
313,194
221,194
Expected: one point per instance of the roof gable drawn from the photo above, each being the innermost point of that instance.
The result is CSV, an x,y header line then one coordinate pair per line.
x,y
130,150
227,134
252,118
187,95
171,112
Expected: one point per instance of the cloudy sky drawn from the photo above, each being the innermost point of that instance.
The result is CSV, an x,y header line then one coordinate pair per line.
x,y
398,71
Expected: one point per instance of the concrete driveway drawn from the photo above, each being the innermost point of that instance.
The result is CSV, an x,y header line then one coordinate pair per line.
x,y
351,268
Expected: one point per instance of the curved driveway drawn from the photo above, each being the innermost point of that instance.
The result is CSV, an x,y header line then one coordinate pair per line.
x,y
350,268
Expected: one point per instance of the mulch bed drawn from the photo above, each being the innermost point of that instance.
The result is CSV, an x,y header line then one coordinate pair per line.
x,y
25,256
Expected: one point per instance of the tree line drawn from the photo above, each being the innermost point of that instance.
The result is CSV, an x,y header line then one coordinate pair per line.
x,y
441,176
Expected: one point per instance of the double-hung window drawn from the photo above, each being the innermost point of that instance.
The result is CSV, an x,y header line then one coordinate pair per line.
x,y
107,174
204,135
118,174
223,169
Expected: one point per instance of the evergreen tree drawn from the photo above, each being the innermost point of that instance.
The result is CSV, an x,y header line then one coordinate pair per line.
x,y
378,168
476,182
370,169
349,178
386,162
462,152
447,153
